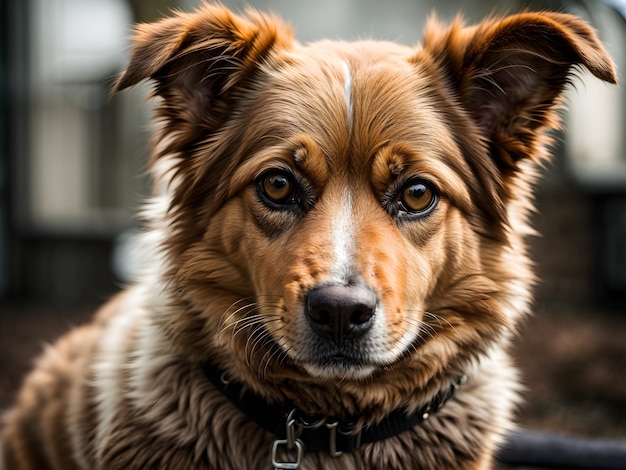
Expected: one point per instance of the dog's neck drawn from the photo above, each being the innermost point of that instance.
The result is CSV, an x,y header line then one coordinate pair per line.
x,y
319,432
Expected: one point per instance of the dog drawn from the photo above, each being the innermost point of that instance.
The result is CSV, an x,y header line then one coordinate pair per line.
x,y
337,258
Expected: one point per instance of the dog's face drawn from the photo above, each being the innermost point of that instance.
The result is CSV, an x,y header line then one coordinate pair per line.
x,y
344,207
346,210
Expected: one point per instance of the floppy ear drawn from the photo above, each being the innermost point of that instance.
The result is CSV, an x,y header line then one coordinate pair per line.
x,y
509,73
197,58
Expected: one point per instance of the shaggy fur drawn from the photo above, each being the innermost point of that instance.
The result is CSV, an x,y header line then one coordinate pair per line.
x,y
381,171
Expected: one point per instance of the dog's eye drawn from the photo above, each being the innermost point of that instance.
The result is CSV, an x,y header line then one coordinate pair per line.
x,y
418,197
278,187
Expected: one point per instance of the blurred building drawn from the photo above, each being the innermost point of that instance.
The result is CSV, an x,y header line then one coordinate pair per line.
x,y
72,157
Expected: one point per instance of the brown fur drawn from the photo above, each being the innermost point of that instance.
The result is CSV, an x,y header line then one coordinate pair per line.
x,y
229,274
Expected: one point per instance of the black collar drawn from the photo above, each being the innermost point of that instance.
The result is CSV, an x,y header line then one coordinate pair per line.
x,y
319,433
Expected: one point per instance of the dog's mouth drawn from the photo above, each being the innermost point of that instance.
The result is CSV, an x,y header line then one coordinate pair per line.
x,y
339,365
356,359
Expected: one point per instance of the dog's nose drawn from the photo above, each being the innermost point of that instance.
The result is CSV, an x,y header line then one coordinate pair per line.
x,y
339,311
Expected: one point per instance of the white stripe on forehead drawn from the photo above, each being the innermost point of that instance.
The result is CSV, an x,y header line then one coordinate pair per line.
x,y
342,239
347,91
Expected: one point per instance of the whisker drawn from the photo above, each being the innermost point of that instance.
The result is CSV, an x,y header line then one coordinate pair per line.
x,y
251,306
439,319
258,337
259,320
273,355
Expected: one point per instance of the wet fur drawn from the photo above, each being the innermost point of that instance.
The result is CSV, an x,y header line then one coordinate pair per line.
x,y
227,275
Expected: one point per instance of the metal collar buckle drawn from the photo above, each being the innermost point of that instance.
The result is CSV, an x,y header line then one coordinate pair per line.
x,y
291,443
293,446
333,429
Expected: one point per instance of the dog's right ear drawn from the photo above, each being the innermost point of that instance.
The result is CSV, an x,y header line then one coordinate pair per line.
x,y
195,59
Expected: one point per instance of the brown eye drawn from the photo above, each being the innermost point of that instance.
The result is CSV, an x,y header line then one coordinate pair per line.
x,y
278,187
418,197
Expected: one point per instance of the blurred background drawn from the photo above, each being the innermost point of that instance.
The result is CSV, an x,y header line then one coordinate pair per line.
x,y
72,163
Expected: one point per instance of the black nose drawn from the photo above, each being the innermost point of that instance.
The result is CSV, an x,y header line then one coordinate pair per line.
x,y
339,311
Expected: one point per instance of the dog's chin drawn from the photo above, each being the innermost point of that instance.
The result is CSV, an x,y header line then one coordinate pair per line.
x,y
339,368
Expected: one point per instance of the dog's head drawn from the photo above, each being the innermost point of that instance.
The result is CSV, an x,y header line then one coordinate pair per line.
x,y
350,210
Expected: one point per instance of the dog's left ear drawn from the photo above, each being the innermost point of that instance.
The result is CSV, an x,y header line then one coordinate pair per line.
x,y
509,73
